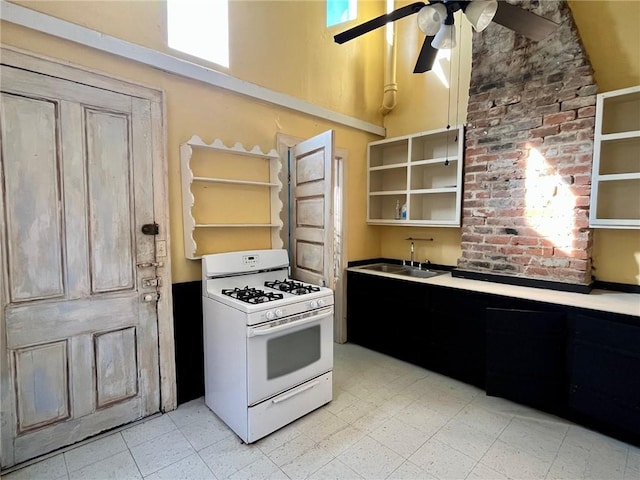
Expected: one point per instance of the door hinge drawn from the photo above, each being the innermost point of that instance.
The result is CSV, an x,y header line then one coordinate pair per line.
x,y
151,229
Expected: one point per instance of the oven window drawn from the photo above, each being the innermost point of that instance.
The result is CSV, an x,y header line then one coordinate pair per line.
x,y
292,352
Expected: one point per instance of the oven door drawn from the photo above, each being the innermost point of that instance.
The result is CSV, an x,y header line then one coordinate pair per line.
x,y
287,352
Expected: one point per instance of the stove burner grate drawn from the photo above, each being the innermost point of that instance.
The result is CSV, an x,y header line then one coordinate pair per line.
x,y
291,286
252,295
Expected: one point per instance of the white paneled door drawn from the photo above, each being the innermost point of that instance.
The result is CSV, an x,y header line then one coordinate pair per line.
x,y
312,210
79,322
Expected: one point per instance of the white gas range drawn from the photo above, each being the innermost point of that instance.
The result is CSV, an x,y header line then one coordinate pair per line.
x,y
268,342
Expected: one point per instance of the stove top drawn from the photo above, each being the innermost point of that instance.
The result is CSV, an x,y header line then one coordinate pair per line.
x,y
252,295
258,282
265,291
291,286
256,295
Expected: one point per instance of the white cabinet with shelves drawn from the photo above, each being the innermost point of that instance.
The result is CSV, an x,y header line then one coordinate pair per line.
x,y
615,183
423,170
214,184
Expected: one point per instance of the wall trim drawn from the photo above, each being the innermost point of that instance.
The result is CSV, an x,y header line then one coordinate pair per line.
x,y
56,27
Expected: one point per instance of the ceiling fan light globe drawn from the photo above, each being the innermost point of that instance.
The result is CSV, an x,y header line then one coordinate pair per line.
x,y
430,17
445,38
480,13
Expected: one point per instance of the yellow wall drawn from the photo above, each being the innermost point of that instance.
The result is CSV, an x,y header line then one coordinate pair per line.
x,y
195,108
444,249
283,45
610,32
426,103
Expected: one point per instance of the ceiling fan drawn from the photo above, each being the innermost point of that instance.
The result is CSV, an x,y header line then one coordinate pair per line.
x,y
435,20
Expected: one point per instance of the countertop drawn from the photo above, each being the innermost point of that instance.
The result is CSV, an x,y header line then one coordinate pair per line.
x,y
603,300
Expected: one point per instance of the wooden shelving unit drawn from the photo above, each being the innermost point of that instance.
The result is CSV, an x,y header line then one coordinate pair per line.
x,y
615,182
423,170
192,211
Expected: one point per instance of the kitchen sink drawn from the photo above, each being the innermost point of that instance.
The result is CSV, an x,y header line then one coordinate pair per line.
x,y
402,270
414,272
385,267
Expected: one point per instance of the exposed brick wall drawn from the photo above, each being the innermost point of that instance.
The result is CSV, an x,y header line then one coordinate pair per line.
x,y
528,156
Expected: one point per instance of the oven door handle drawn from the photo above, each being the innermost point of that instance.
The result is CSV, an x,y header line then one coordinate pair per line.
x,y
293,393
258,331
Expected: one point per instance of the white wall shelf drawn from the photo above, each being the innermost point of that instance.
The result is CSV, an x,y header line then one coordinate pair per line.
x,y
615,178
190,198
427,191
423,170
388,167
233,182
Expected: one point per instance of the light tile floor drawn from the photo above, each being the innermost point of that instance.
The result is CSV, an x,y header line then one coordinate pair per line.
x,y
388,419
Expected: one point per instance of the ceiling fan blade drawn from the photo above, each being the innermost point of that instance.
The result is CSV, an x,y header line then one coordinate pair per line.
x,y
378,22
426,57
524,22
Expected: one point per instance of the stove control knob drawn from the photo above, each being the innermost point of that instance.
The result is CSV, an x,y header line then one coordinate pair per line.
x,y
270,315
279,312
313,304
320,302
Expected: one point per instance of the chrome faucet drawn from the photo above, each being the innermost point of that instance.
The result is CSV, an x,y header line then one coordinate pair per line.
x,y
410,262
412,252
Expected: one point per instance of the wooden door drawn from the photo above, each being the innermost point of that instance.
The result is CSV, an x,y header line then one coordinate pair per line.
x,y
80,342
312,214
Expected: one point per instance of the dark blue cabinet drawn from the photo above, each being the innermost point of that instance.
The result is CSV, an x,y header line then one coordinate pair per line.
x,y
526,357
604,371
577,363
387,315
455,346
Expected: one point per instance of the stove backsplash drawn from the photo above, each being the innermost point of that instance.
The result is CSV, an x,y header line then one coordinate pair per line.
x,y
528,154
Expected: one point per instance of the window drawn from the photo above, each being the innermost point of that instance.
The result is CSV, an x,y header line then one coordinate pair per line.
x,y
199,28
340,11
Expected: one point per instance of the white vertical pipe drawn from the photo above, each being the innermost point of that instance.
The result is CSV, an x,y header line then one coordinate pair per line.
x,y
390,53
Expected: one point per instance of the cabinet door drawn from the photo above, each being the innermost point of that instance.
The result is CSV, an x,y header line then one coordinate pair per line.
x,y
370,310
362,318
526,357
604,371
406,307
388,315
457,328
